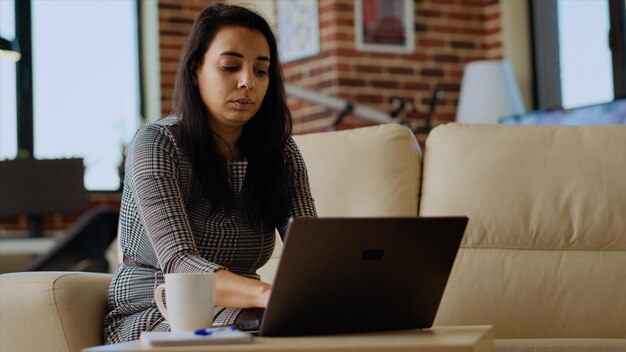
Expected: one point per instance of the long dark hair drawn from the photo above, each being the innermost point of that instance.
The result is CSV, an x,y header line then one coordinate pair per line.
x,y
264,136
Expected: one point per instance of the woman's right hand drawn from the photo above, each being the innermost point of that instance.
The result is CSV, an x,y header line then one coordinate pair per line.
x,y
236,291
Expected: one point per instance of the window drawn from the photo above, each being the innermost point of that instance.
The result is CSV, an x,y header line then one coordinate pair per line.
x,y
579,56
8,93
85,84
586,70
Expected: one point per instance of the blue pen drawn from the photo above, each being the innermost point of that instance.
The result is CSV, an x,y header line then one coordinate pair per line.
x,y
209,331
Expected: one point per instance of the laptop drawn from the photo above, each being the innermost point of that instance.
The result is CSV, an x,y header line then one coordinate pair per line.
x,y
346,275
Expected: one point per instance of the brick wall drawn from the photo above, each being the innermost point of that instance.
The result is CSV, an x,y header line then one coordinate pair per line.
x,y
448,34
175,20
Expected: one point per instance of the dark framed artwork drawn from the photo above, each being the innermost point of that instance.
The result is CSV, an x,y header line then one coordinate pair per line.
x,y
384,26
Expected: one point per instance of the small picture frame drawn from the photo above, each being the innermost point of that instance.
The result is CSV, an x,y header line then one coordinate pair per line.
x,y
298,29
384,26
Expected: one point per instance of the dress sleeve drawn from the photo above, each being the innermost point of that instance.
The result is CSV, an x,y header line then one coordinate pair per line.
x,y
302,203
157,192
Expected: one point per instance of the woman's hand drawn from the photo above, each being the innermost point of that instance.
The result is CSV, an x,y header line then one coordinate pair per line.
x,y
235,291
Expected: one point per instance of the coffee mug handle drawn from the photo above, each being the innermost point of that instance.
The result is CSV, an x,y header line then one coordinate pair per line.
x,y
158,297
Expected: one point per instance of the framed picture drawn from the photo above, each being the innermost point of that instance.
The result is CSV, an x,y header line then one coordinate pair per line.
x,y
385,26
298,29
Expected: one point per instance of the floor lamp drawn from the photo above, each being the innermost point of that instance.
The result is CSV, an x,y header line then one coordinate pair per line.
x,y
489,92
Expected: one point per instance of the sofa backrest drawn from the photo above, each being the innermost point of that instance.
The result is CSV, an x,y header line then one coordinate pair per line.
x,y
544,254
52,311
363,172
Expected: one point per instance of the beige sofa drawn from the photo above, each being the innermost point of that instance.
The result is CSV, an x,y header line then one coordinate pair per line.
x,y
543,258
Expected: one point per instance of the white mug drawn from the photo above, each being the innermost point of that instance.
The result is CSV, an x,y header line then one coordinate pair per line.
x,y
189,298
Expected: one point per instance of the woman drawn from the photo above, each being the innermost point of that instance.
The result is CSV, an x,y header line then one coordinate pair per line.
x,y
207,186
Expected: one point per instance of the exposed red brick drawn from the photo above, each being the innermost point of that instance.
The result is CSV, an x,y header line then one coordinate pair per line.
x,y
494,45
446,58
345,22
456,73
169,59
368,69
446,116
344,52
430,43
175,33
420,27
295,104
457,44
415,86
294,76
450,87
163,6
429,13
460,16
319,70
325,84
478,3
400,70
316,116
177,46
384,84
417,57
445,29
351,82
341,67
431,72
491,31
489,17
336,36
180,20
473,58
341,6
477,31
369,98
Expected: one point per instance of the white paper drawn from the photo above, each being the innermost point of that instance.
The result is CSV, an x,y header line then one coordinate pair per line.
x,y
157,338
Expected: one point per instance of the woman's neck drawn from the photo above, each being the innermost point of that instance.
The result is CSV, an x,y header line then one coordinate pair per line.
x,y
227,139
228,145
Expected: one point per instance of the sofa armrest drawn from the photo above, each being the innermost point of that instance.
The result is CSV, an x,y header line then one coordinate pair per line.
x,y
52,311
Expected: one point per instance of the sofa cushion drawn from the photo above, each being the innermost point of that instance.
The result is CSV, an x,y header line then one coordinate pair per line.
x,y
52,311
362,172
545,248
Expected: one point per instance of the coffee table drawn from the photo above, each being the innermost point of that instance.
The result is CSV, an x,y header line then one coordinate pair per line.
x,y
444,338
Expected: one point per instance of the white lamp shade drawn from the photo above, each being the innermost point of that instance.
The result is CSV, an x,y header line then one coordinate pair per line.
x,y
489,92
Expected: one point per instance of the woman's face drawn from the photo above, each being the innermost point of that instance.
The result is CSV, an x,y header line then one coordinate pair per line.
x,y
233,77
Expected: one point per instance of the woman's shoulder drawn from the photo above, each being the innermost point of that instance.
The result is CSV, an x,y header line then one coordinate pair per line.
x,y
165,130
292,152
161,137
291,146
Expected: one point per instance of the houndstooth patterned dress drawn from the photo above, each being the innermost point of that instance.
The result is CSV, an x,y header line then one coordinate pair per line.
x,y
166,226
